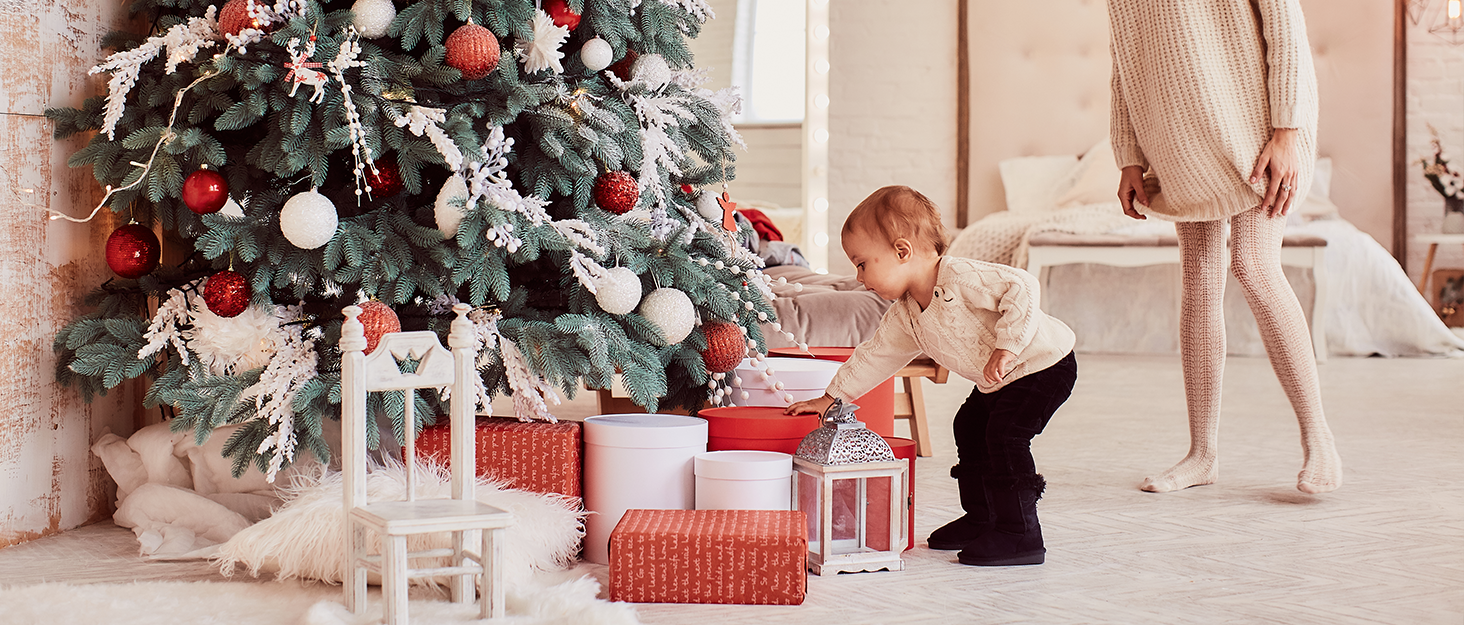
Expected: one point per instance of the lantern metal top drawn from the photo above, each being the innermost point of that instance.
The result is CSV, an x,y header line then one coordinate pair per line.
x,y
843,439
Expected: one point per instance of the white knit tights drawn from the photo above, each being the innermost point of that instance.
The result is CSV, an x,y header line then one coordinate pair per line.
x,y
1255,253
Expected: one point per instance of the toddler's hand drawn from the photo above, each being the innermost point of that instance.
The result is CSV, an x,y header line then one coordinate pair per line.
x,y
817,405
999,366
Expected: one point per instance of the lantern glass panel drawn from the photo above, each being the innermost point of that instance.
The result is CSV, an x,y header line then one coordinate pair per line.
x,y
877,510
808,496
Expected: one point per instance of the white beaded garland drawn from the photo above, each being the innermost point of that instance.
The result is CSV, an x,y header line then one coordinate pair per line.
x,y
746,395
372,17
788,397
671,311
762,316
308,220
747,305
596,54
737,381
448,207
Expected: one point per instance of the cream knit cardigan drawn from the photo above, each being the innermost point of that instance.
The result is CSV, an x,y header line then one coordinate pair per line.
x,y
1198,86
978,307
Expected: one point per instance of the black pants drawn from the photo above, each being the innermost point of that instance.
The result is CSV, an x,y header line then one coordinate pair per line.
x,y
994,431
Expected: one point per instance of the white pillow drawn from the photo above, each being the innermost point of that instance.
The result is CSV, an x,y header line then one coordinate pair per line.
x,y
1032,183
1094,180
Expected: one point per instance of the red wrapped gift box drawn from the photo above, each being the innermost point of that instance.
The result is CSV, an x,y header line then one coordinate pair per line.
x,y
535,456
709,556
761,428
876,408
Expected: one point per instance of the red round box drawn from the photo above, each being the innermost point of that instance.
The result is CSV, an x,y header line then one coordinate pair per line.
x,y
760,428
904,448
876,408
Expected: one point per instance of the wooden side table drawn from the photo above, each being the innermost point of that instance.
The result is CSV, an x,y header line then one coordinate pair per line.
x,y
1433,241
910,403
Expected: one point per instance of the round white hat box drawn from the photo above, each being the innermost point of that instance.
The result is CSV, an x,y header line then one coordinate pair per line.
x,y
802,378
637,461
744,480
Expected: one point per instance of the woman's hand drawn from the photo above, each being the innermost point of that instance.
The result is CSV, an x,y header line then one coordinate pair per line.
x,y
1002,361
1131,189
1279,160
816,405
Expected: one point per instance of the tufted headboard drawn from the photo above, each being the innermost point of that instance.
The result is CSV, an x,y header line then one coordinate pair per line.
x,y
1039,84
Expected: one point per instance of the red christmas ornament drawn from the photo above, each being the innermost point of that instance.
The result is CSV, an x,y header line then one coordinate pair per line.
x,y
379,319
386,181
205,191
472,50
725,346
226,293
616,191
621,68
133,251
562,16
234,17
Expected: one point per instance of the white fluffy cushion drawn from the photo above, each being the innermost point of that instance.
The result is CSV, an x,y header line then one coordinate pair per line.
x,y
1094,180
1032,183
306,538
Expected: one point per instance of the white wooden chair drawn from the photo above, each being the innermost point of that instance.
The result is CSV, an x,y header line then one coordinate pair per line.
x,y
394,521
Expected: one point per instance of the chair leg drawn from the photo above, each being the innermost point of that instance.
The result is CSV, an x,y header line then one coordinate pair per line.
x,y
355,582
461,585
919,429
394,579
492,581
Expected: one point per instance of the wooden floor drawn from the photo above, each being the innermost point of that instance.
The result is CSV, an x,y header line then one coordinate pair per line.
x,y
1386,548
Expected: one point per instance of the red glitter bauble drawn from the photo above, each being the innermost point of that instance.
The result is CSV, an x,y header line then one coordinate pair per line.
x,y
234,17
559,11
205,191
386,181
472,50
616,191
379,319
621,68
133,251
725,346
226,293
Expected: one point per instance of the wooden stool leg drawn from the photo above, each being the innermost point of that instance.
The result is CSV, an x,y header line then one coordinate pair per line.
x,y
919,429
492,556
1427,266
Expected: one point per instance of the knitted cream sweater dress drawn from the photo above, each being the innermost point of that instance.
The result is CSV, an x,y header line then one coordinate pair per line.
x,y
1198,86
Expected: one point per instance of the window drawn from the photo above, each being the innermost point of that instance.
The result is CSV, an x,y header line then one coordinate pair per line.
x,y
768,59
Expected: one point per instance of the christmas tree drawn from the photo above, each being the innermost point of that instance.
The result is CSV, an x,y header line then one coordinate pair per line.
x,y
552,166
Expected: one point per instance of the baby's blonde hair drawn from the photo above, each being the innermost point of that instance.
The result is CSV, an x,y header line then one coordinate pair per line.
x,y
897,212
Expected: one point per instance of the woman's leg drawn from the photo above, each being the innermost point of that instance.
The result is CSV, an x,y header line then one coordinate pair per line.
x,y
1256,260
1202,353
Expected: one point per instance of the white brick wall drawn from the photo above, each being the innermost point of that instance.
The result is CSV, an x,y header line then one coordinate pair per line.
x,y
1435,96
892,111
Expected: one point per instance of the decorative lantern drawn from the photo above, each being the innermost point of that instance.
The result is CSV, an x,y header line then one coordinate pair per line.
x,y
852,490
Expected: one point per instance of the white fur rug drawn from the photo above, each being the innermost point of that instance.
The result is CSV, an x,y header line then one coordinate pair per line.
x,y
291,603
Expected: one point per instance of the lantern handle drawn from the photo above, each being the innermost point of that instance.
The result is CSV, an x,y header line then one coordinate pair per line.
x,y
840,412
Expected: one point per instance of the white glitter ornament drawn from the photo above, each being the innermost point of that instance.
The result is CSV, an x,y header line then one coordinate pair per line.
x,y
708,207
671,311
449,205
308,220
596,54
372,17
618,291
652,70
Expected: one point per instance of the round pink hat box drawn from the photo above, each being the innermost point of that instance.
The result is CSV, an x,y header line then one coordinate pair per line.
x,y
637,461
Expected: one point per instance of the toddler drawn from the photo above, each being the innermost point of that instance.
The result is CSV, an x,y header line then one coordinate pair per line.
x,y
981,321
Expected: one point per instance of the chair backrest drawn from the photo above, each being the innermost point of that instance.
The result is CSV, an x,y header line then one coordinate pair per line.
x,y
379,371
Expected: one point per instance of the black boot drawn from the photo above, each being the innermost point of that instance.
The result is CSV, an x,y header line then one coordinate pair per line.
x,y
977,520
1016,536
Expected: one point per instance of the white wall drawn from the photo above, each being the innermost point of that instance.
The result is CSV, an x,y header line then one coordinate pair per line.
x,y
49,482
1435,96
892,110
